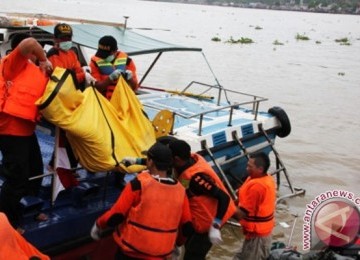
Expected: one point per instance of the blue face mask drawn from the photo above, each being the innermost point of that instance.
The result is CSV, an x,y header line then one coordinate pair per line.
x,y
110,58
65,46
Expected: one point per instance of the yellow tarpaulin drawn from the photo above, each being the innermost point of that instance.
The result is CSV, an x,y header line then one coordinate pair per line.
x,y
101,133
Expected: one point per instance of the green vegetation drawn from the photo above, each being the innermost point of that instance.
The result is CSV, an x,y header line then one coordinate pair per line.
x,y
242,40
276,42
216,39
302,37
343,41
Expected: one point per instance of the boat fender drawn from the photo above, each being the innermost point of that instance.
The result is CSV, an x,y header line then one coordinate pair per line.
x,y
283,118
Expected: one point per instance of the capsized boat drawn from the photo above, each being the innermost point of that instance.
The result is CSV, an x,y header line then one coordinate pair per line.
x,y
223,125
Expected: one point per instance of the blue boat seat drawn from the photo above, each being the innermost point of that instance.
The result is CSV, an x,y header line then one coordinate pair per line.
x,y
31,204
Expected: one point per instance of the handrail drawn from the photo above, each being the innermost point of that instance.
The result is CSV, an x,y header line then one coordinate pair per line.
x,y
255,102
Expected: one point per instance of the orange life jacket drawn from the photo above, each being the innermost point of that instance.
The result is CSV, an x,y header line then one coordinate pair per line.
x,y
17,97
106,68
262,221
203,208
151,226
13,245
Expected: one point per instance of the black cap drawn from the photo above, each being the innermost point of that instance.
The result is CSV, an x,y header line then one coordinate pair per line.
x,y
161,155
62,30
180,148
107,44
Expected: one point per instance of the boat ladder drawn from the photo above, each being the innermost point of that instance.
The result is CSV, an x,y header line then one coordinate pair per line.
x,y
280,166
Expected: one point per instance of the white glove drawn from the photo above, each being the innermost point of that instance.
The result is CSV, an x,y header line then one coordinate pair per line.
x,y
115,74
45,66
95,232
128,74
127,161
89,80
215,235
176,253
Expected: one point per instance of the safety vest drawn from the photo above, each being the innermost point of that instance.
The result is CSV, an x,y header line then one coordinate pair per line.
x,y
203,208
13,245
106,68
262,221
17,97
151,226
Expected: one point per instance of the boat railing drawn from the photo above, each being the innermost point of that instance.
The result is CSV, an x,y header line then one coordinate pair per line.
x,y
252,100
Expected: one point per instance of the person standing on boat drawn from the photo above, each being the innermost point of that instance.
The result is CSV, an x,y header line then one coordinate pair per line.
x,y
63,56
22,82
108,64
210,204
257,198
151,212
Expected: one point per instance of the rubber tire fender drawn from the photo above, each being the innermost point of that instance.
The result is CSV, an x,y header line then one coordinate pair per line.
x,y
284,120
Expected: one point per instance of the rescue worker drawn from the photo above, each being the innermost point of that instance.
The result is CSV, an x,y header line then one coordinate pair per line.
x,y
22,82
108,64
14,246
150,213
210,204
62,55
257,198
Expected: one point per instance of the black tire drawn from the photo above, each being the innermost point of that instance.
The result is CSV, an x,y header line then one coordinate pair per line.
x,y
283,119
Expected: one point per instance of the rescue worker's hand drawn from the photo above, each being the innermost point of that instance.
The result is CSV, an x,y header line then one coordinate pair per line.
x,y
214,233
115,74
127,161
176,253
128,74
95,232
89,80
46,66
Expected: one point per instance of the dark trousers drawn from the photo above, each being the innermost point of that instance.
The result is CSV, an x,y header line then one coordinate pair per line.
x,y
21,160
197,246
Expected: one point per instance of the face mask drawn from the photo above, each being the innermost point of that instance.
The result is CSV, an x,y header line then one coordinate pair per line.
x,y
110,58
65,46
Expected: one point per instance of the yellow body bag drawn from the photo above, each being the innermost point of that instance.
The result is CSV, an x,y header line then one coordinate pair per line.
x,y
101,133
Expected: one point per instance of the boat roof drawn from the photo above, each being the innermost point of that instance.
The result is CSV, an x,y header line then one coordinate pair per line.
x,y
128,41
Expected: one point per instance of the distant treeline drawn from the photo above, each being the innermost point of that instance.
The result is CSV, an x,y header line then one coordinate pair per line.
x,y
330,6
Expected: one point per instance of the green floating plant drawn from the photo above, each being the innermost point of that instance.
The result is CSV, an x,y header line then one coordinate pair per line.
x,y
242,40
302,37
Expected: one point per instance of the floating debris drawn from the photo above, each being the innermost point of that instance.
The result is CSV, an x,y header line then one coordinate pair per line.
x,y
242,40
302,37
216,39
276,42
318,42
258,28
341,73
343,41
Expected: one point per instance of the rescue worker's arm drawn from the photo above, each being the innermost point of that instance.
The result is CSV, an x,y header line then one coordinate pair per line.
x,y
80,74
133,81
16,61
202,184
116,215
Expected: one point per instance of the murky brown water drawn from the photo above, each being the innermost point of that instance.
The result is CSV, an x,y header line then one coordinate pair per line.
x,y
317,84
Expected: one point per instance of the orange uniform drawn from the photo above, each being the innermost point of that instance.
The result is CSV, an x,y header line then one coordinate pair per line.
x,y
18,94
148,215
67,60
100,69
257,198
203,207
13,245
